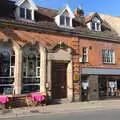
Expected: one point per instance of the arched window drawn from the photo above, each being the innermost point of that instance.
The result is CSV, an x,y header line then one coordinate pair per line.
x,y
7,64
31,70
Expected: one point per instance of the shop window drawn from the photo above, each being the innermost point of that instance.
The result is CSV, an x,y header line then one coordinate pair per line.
x,y
108,56
31,71
7,64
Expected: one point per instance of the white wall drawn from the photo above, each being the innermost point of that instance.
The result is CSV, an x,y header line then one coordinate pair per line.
x,y
27,5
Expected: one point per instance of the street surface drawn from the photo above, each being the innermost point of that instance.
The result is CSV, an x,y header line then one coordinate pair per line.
x,y
77,115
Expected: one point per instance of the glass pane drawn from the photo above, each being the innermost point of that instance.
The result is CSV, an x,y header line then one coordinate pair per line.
x,y
84,59
6,80
12,60
84,50
93,25
62,20
38,62
28,14
4,64
30,88
29,80
38,71
22,12
6,90
11,71
67,21
98,26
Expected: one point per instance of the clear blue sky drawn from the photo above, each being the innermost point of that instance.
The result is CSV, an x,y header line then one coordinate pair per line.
x,y
111,7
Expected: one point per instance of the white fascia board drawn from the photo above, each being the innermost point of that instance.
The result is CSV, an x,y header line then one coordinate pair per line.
x,y
19,2
68,9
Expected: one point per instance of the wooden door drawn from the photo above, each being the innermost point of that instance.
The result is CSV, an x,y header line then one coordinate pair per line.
x,y
59,80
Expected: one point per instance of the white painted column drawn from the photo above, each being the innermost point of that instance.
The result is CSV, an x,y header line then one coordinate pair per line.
x,y
18,71
49,78
69,82
43,73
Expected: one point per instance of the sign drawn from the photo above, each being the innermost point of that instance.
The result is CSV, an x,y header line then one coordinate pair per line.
x,y
76,77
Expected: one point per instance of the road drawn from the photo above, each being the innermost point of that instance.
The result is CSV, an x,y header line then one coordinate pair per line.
x,y
86,115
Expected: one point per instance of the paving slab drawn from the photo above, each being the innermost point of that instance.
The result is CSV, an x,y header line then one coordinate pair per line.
x,y
61,108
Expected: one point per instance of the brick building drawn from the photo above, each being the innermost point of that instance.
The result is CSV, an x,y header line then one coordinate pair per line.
x,y
57,52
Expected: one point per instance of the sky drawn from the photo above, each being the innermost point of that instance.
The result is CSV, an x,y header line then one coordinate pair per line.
x,y
111,7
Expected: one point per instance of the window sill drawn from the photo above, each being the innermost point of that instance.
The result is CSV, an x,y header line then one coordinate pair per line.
x,y
84,62
62,26
26,20
109,63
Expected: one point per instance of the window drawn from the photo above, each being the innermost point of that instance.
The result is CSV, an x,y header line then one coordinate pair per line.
x,y
108,56
84,54
25,13
7,64
31,70
62,21
28,14
96,24
65,19
22,12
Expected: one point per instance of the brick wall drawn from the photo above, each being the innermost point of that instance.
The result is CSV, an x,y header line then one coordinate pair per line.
x,y
95,53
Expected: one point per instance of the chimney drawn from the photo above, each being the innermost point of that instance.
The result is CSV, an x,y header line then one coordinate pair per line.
x,y
79,12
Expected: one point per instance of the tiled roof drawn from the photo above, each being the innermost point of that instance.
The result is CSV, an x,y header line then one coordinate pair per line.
x,y
47,12
113,21
50,27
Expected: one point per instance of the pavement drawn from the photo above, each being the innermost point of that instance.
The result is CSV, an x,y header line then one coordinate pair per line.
x,y
60,108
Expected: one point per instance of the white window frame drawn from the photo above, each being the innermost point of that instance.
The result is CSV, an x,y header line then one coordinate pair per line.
x,y
10,74
110,58
25,9
96,22
65,21
85,54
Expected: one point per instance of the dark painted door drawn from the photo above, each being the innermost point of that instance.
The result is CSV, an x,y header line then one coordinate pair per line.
x,y
59,82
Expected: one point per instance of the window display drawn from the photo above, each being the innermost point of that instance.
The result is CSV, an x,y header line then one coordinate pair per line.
x,y
31,70
7,63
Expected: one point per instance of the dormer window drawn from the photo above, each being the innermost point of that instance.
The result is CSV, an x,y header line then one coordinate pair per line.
x,y
96,24
65,20
25,13
25,10
28,14
22,12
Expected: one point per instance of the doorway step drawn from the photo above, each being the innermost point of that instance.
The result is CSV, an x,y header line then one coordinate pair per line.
x,y
60,101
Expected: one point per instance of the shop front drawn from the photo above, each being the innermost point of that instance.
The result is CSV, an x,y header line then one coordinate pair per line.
x,y
109,86
100,84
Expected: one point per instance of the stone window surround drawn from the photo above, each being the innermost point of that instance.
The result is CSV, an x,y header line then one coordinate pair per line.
x,y
18,67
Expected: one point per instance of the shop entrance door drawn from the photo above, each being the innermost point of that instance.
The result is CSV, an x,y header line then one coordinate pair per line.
x,y
102,88
59,80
